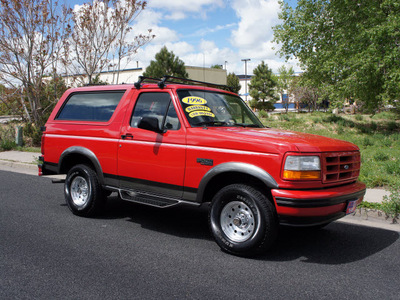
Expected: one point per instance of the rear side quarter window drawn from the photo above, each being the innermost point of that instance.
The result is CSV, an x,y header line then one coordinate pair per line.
x,y
90,106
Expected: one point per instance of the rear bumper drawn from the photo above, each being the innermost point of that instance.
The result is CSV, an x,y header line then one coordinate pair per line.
x,y
316,207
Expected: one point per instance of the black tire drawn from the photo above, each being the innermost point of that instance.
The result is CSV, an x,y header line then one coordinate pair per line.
x,y
83,192
242,220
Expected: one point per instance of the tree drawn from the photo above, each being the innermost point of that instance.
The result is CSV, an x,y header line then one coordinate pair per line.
x,y
233,82
262,88
100,30
305,93
51,93
10,103
166,63
219,67
126,12
32,34
284,80
352,48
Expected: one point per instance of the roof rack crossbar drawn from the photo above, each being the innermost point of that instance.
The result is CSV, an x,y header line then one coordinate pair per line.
x,y
142,79
172,79
167,78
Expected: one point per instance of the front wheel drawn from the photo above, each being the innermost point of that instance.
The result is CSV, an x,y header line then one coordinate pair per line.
x,y
242,220
83,193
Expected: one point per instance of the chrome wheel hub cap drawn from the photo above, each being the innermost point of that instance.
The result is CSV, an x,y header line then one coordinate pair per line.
x,y
79,191
237,221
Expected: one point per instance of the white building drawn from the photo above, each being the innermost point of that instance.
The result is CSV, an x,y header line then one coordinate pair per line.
x,y
211,75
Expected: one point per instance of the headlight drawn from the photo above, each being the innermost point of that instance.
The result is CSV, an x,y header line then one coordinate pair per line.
x,y
302,168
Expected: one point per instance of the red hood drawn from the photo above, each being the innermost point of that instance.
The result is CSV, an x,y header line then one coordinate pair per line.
x,y
265,140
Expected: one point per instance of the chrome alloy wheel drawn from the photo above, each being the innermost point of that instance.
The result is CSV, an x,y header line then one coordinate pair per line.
x,y
237,221
79,191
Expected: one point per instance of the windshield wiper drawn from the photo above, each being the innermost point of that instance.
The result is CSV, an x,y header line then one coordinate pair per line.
x,y
247,125
211,123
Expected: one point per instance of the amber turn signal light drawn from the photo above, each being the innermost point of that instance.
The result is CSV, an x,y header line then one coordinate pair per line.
x,y
301,175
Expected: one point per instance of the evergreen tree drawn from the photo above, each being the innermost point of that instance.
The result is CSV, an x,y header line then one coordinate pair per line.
x,y
166,63
233,82
262,88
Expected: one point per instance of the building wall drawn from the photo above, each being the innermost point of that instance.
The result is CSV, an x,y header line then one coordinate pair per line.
x,y
211,75
217,76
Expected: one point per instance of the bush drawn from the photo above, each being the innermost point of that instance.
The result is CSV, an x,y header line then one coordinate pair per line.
x,y
7,145
393,168
380,156
263,114
33,133
391,204
284,117
374,126
333,119
340,129
370,205
367,142
392,126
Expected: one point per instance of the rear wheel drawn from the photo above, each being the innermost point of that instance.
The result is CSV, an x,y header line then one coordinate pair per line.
x,y
242,220
83,193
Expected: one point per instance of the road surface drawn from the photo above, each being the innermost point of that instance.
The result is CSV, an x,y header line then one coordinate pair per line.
x,y
139,252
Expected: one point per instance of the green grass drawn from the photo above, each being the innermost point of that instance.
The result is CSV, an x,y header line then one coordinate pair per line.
x,y
378,139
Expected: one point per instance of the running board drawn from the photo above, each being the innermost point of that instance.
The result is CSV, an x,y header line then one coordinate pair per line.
x,y
151,200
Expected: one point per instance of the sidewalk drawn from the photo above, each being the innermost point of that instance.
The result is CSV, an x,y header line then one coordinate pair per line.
x,y
26,162
20,160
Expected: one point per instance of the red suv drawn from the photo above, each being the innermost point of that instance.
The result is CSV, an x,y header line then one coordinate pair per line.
x,y
166,143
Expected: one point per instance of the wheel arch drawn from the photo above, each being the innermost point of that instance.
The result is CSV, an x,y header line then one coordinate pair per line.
x,y
230,173
79,155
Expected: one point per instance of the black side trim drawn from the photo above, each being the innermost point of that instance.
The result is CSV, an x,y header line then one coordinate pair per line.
x,y
151,183
190,190
48,168
312,203
146,182
309,221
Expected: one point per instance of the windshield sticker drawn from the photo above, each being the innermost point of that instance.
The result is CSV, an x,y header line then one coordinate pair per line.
x,y
201,113
197,107
194,100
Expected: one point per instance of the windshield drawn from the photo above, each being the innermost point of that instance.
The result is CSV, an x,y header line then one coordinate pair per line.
x,y
205,108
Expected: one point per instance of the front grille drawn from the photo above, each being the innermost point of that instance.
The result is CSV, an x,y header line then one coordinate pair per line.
x,y
340,166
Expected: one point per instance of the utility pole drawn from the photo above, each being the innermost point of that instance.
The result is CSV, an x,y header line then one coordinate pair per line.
x,y
245,77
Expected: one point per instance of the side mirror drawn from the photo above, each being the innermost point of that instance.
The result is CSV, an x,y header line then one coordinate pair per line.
x,y
150,123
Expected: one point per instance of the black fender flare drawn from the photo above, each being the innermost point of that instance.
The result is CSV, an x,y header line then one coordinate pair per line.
x,y
238,167
83,152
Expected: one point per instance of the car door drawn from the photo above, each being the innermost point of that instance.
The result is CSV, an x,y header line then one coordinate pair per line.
x,y
150,161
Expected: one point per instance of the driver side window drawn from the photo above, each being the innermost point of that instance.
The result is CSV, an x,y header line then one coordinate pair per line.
x,y
157,105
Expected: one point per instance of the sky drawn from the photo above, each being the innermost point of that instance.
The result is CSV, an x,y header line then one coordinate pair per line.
x,y
210,32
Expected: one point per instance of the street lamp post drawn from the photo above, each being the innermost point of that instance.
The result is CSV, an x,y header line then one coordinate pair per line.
x,y
245,77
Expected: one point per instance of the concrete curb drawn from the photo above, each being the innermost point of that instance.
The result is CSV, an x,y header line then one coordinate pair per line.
x,y
17,164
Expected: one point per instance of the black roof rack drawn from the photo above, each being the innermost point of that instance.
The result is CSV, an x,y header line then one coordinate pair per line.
x,y
178,80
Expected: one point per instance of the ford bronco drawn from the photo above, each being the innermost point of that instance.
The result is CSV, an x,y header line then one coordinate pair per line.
x,y
167,142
